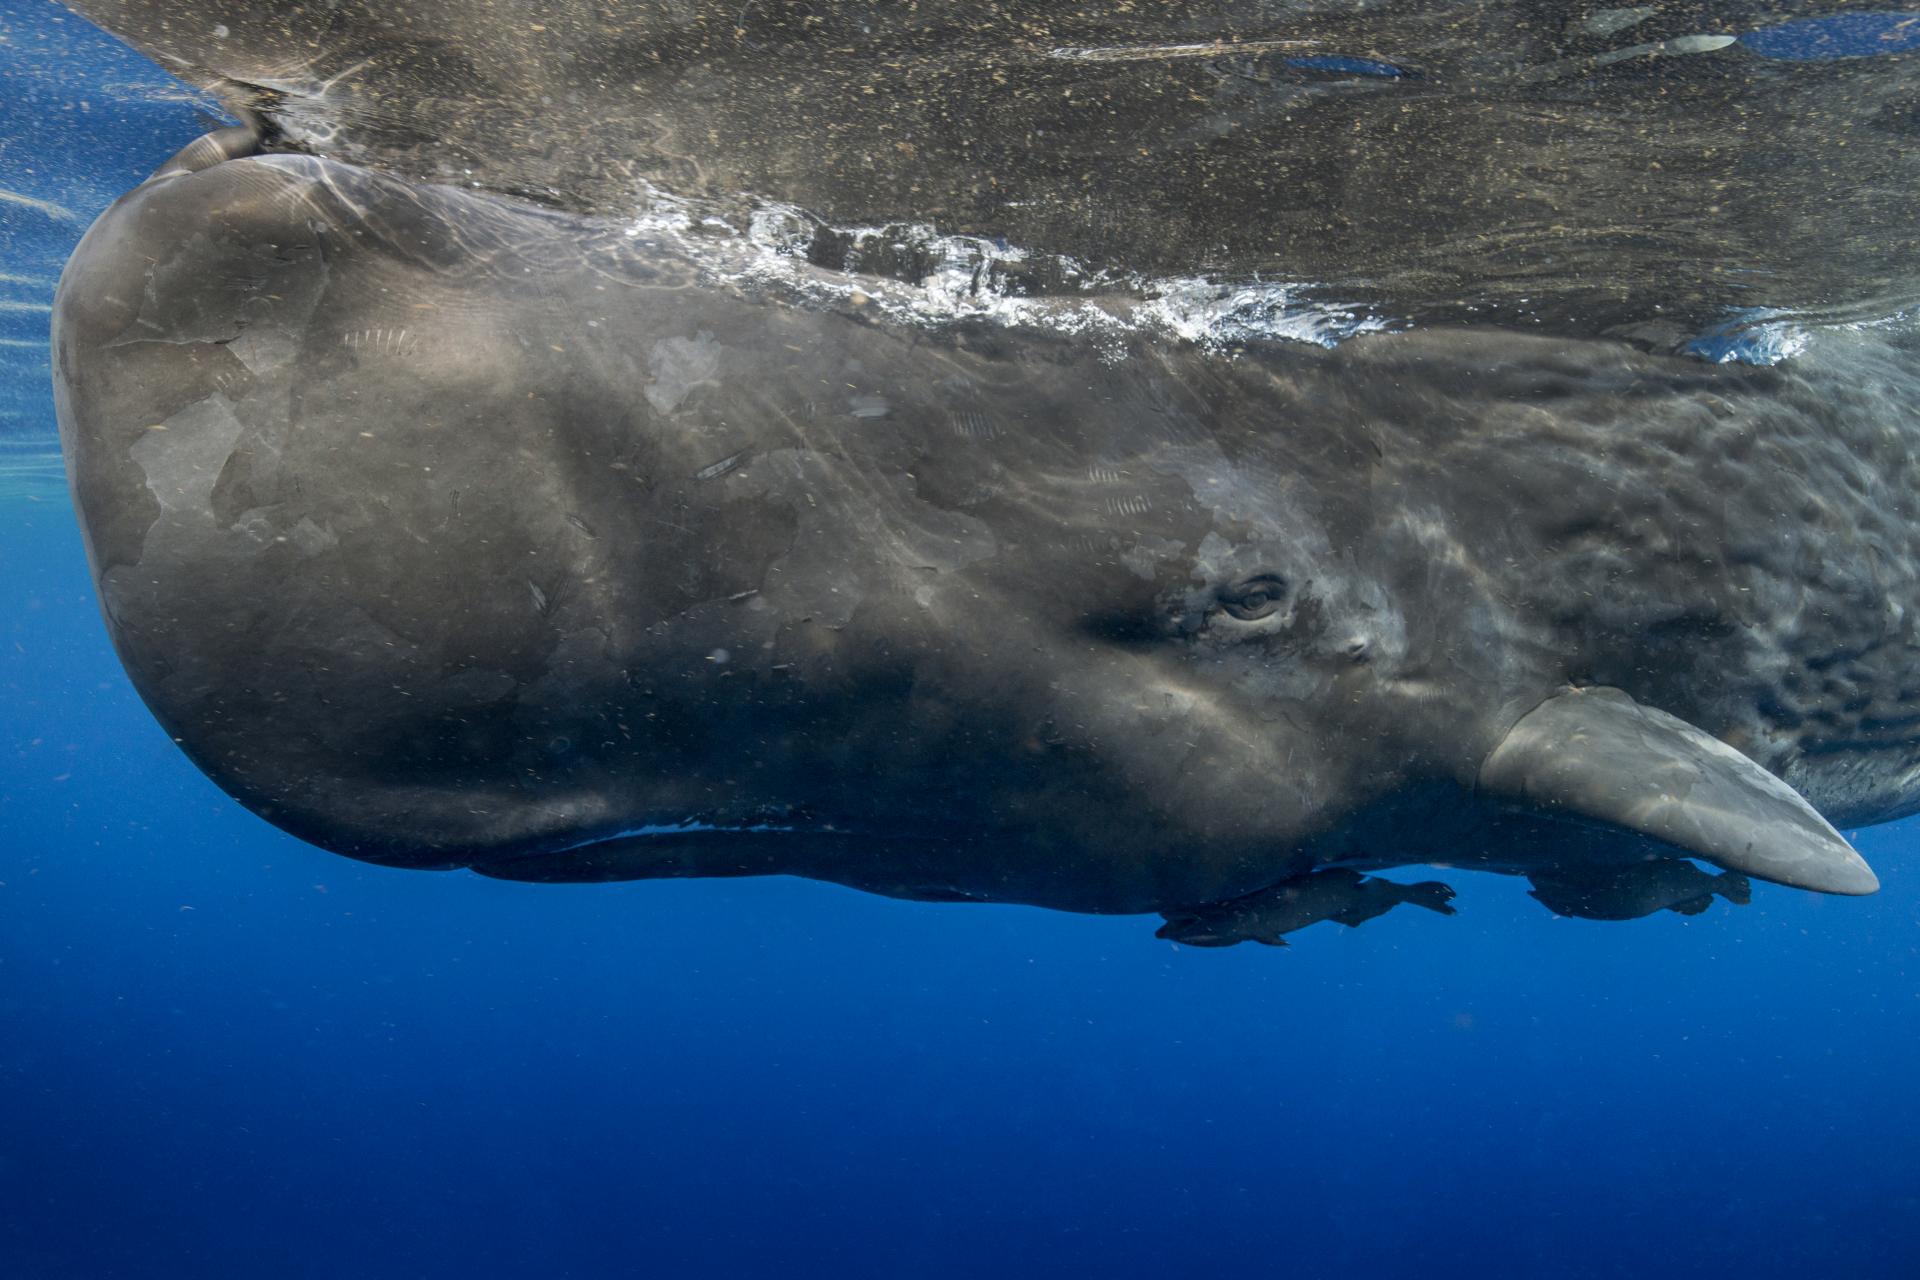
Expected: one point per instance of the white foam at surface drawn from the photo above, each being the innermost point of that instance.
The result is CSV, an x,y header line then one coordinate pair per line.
x,y
964,280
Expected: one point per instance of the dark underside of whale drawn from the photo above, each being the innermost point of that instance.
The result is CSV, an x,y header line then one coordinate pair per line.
x,y
1181,458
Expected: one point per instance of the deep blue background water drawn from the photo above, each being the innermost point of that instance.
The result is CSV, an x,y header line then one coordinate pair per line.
x,y
223,1053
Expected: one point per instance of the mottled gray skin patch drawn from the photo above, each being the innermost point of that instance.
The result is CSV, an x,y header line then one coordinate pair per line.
x,y
594,548
679,366
904,543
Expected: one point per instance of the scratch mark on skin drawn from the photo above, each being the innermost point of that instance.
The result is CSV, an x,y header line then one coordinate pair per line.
x,y
715,470
1161,52
381,341
973,426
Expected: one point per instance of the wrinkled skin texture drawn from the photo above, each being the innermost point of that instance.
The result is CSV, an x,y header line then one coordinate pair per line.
x,y
445,531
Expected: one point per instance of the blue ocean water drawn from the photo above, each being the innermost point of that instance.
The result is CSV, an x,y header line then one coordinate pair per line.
x,y
225,1053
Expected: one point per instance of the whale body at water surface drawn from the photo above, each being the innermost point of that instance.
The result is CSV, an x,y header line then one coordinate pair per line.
x,y
446,529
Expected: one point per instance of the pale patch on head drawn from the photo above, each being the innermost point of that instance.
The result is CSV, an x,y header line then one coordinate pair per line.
x,y
182,457
312,538
1148,552
678,367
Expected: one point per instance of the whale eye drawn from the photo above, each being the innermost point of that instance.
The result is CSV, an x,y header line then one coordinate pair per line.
x,y
1254,598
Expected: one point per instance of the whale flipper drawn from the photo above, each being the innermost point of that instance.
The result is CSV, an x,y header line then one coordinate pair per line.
x,y
1596,755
